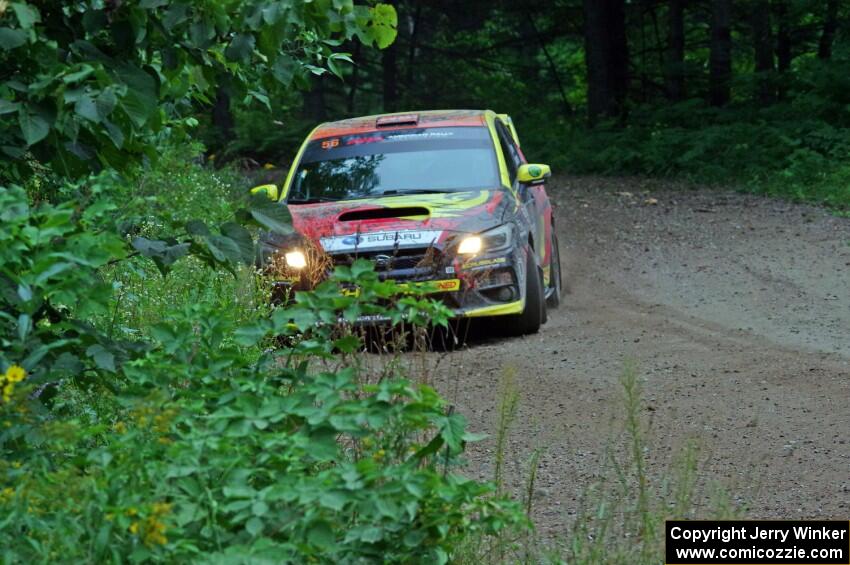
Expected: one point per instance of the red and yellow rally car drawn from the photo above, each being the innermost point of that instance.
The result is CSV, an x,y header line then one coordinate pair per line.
x,y
443,200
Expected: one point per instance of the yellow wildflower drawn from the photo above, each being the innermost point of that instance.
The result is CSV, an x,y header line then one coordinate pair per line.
x,y
15,374
134,527
268,166
119,427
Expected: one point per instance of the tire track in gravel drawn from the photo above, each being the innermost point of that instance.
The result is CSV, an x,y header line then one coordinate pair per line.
x,y
736,311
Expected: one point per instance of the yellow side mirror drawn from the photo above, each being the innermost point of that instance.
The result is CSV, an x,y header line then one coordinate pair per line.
x,y
533,173
269,190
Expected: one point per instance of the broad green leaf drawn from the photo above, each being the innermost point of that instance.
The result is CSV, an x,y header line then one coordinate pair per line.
x,y
240,47
284,69
453,431
141,99
250,335
87,108
12,38
254,526
201,33
7,107
34,127
102,357
114,133
383,26
24,326
270,215
77,76
224,249
27,15
243,240
163,253
106,102
197,227
333,500
320,534
176,14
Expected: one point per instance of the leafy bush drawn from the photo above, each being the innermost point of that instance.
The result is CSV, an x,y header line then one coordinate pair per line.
x,y
212,445
92,84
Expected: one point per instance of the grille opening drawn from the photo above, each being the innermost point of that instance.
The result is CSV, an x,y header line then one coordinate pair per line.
x,y
412,263
381,213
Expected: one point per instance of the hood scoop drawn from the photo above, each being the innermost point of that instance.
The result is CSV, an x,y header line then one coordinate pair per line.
x,y
384,213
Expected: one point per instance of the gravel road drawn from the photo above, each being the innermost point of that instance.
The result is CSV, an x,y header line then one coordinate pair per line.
x,y
735,309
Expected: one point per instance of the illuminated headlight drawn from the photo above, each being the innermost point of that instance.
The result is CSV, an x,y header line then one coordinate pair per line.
x,y
470,245
494,240
296,259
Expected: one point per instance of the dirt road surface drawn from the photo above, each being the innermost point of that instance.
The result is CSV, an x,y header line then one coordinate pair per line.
x,y
735,309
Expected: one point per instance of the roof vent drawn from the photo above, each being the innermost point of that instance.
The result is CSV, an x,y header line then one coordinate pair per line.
x,y
397,120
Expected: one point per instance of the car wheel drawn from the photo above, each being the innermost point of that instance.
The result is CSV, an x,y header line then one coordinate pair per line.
x,y
534,313
553,293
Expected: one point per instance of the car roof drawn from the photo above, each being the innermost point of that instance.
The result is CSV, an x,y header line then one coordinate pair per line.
x,y
429,118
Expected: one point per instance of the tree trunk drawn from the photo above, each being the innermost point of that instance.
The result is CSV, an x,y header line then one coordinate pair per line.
x,y
389,62
675,76
606,57
720,59
783,38
553,68
763,50
315,106
222,117
355,75
415,24
783,46
830,26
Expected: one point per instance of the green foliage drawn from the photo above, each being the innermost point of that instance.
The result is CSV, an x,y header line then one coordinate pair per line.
x,y
778,150
49,284
88,84
202,444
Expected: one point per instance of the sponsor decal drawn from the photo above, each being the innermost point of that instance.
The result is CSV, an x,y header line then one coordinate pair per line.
x,y
380,240
485,262
426,287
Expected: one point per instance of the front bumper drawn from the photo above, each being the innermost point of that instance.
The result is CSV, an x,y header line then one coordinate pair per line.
x,y
487,285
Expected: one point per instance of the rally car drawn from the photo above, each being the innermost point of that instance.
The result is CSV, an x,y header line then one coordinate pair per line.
x,y
443,200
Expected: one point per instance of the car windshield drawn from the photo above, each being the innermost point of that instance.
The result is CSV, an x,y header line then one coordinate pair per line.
x,y
416,160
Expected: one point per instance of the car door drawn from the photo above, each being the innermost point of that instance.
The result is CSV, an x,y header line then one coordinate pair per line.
x,y
533,199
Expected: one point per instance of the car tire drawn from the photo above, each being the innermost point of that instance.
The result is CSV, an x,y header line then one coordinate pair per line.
x,y
553,300
534,313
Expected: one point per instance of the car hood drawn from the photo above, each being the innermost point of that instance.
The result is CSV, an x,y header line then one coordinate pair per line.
x,y
416,219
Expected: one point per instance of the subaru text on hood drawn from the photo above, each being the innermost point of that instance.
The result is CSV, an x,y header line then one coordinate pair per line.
x,y
443,200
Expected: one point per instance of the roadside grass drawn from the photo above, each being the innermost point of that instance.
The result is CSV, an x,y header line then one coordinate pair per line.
x,y
620,518
158,203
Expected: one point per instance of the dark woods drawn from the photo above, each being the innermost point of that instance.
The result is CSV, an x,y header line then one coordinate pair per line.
x,y
594,57
705,89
